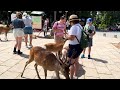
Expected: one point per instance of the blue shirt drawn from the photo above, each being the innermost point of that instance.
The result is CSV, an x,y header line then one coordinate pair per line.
x,y
18,23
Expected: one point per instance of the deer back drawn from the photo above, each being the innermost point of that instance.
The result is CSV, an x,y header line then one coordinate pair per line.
x,y
54,47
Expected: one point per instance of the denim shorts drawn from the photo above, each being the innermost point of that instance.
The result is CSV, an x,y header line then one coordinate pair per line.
x,y
74,49
28,30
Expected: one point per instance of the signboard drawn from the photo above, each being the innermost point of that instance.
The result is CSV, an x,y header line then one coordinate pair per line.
x,y
13,16
37,22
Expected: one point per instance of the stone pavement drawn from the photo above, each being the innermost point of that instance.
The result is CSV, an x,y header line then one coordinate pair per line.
x,y
105,62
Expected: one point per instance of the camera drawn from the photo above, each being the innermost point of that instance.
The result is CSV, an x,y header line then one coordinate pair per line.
x,y
90,31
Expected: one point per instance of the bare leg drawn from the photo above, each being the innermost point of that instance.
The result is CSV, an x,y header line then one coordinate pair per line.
x,y
71,71
76,66
84,51
37,70
83,55
30,35
26,39
89,50
16,45
19,42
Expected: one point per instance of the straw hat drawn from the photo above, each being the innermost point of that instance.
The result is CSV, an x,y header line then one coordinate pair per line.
x,y
73,18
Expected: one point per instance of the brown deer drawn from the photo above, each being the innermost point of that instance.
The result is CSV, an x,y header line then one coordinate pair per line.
x,y
5,29
55,47
48,61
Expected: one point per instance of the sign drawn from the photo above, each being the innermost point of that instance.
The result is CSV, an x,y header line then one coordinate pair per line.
x,y
37,22
13,16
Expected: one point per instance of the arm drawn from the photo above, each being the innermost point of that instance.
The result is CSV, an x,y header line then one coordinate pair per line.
x,y
94,31
72,33
70,37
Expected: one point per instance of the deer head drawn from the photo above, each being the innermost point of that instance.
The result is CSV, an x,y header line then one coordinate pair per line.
x,y
64,68
65,65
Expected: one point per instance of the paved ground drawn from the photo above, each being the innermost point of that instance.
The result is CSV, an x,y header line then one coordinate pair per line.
x,y
104,65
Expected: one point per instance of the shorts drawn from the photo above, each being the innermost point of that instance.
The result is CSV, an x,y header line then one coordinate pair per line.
x,y
74,48
18,32
58,39
28,30
90,43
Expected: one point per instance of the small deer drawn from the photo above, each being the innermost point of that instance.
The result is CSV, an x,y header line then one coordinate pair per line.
x,y
55,47
5,29
48,61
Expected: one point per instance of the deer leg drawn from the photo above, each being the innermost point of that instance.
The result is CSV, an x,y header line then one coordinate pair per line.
x,y
0,39
57,74
56,54
45,71
59,54
6,36
24,68
37,70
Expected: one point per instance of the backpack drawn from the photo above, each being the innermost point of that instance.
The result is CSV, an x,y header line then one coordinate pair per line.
x,y
84,39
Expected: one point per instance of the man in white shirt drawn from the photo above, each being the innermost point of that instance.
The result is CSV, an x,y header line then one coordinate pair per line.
x,y
74,46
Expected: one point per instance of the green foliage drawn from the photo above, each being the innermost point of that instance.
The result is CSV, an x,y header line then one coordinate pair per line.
x,y
102,26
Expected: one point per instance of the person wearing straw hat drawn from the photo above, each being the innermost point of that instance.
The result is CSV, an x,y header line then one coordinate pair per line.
x,y
90,29
74,46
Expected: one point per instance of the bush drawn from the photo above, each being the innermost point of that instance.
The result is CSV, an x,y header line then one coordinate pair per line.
x,y
102,26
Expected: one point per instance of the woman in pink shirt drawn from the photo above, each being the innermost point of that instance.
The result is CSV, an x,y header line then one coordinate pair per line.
x,y
59,29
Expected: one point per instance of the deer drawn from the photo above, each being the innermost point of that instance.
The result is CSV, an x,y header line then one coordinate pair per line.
x,y
5,29
55,47
48,61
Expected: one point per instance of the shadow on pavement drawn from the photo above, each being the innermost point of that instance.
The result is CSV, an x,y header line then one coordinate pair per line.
x,y
81,71
46,37
99,60
6,40
24,55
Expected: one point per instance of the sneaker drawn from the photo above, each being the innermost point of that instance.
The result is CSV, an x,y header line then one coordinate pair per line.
x,y
83,56
89,57
31,45
75,77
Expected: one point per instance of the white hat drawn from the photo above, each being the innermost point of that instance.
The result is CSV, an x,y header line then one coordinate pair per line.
x,y
24,14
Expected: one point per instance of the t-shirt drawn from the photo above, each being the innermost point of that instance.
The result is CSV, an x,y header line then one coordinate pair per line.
x,y
60,26
88,27
75,30
27,21
18,23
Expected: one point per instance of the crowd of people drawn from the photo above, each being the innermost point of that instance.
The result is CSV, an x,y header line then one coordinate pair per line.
x,y
63,29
